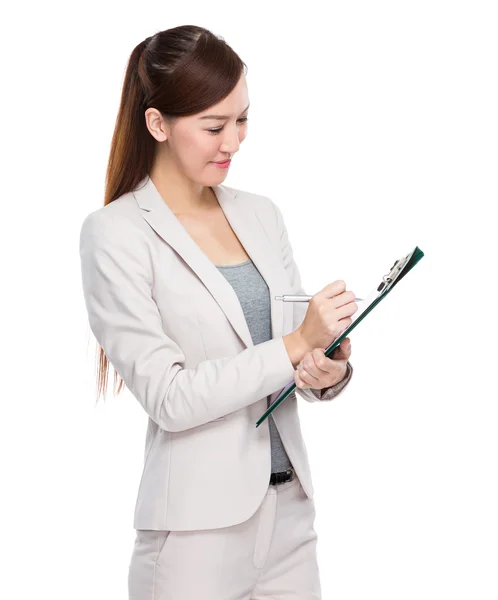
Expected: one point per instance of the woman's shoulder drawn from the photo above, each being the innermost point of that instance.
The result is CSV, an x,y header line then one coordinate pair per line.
x,y
117,216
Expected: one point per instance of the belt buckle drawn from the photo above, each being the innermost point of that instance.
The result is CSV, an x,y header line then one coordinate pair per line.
x,y
281,474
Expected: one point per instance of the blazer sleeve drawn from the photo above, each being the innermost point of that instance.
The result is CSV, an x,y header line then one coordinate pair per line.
x,y
123,316
300,308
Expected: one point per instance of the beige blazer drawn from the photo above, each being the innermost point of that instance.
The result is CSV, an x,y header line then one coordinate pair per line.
x,y
173,328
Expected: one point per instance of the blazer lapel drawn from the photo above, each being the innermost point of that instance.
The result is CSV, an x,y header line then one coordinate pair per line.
x,y
247,228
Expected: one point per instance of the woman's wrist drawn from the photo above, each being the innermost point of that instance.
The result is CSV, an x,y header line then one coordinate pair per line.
x,y
343,376
296,346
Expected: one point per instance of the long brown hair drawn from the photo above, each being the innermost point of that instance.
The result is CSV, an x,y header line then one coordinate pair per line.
x,y
180,71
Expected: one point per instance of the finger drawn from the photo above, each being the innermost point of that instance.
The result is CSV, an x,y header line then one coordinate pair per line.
x,y
316,369
342,355
297,380
343,350
333,289
307,370
321,362
327,365
307,377
300,383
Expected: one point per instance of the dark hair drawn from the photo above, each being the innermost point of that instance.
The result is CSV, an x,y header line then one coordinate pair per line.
x,y
180,71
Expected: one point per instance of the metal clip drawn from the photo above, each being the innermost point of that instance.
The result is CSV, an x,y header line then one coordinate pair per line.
x,y
393,273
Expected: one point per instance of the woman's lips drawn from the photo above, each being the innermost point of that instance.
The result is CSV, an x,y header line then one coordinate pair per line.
x,y
222,165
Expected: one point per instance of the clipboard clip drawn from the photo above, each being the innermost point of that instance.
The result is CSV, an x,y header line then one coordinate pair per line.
x,y
393,273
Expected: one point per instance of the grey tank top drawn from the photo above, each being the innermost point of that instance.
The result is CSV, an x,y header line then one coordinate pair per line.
x,y
254,298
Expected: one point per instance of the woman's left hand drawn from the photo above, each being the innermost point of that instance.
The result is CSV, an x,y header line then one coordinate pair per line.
x,y
319,371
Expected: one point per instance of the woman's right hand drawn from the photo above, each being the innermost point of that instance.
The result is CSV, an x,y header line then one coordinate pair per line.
x,y
328,315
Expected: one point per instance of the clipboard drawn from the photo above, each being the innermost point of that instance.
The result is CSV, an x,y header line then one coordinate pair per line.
x,y
399,269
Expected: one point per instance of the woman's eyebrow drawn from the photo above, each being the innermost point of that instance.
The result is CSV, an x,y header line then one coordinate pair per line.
x,y
221,117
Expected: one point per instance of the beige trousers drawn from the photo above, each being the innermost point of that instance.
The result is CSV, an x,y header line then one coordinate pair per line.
x,y
272,555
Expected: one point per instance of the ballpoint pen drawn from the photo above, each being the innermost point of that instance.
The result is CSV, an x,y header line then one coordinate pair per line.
x,y
290,298
395,269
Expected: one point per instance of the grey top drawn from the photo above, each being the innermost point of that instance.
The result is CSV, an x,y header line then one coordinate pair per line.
x,y
254,298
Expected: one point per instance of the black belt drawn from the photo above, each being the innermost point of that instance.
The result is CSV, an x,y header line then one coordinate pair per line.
x,y
282,477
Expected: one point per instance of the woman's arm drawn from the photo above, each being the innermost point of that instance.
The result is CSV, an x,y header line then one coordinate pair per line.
x,y
300,308
123,316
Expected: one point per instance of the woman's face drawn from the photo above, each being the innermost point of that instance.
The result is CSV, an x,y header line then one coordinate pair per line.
x,y
191,144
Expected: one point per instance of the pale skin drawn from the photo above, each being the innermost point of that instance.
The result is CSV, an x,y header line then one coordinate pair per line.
x,y
183,173
183,169
319,371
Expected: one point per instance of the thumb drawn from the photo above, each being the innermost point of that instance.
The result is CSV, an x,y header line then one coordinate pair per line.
x,y
344,349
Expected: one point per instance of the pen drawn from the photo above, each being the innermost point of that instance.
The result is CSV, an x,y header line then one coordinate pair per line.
x,y
289,298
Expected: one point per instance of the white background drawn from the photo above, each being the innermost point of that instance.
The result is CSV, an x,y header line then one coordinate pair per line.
x,y
373,125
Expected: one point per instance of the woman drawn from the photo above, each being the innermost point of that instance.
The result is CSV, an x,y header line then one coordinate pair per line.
x,y
179,276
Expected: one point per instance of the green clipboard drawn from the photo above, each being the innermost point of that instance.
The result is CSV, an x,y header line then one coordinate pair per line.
x,y
400,268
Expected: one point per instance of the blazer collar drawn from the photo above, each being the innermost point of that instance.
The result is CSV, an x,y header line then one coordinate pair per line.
x,y
244,222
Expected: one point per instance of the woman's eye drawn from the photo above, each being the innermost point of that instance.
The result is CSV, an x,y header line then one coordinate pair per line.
x,y
215,131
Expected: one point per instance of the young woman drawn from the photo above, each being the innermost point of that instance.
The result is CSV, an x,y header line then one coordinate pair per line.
x,y
179,276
